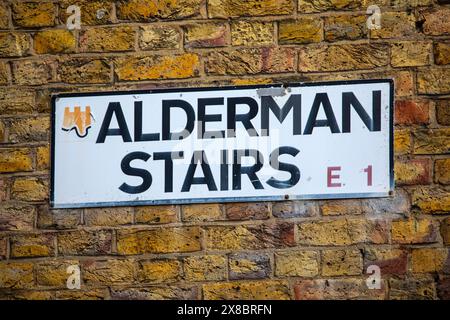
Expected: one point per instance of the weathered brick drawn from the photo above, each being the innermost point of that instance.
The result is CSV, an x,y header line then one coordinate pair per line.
x,y
159,37
54,41
206,35
16,217
433,81
398,204
15,160
293,209
32,72
412,289
16,101
445,231
33,14
236,62
253,290
155,293
343,57
14,44
278,60
142,10
43,158
57,218
442,171
30,189
410,172
84,70
202,212
112,271
337,289
341,232
157,67
32,245
443,288
304,30
108,216
3,247
205,268
16,275
433,141
430,260
4,16
156,214
26,295
90,294
4,73
431,200
437,21
390,261
158,271
411,53
309,6
395,25
411,4
246,211
29,129
82,242
345,27
402,141
248,33
443,112
341,262
251,81
442,53
414,231
158,240
412,112
296,264
107,39
250,237
341,207
53,273
249,266
239,8
88,10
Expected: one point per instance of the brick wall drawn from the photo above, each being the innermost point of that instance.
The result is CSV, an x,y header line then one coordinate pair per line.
x,y
280,250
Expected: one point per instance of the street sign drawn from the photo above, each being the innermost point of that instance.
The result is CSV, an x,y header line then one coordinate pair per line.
x,y
250,143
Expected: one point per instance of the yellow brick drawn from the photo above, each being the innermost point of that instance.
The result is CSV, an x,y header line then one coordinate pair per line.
x,y
252,290
158,240
246,33
33,245
4,16
15,160
206,35
43,158
442,53
431,200
341,262
433,81
16,275
33,14
54,41
53,273
430,260
204,268
159,37
305,30
159,271
84,70
14,44
29,129
108,216
142,10
89,9
235,8
107,39
157,67
413,231
296,264
4,73
402,141
29,189
309,6
442,171
433,141
156,214
112,271
202,212
411,53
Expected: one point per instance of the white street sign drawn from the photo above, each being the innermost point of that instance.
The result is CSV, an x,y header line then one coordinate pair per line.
x,y
252,143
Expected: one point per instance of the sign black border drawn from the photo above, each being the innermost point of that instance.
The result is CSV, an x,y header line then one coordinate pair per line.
x,y
224,199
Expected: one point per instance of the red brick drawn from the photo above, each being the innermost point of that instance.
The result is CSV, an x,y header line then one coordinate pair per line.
x,y
412,112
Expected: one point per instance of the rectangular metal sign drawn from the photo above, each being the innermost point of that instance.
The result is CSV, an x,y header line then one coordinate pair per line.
x,y
252,143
